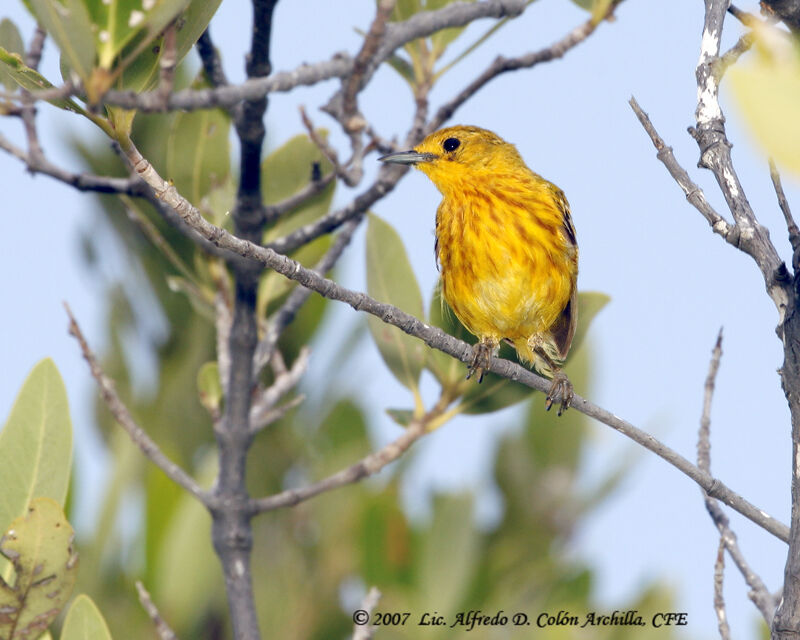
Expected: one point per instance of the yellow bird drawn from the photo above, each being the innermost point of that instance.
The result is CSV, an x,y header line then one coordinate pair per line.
x,y
506,247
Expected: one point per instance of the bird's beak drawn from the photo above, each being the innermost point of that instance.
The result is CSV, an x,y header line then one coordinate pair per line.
x,y
407,157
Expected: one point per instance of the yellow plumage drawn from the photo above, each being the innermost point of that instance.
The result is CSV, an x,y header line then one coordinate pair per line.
x,y
506,247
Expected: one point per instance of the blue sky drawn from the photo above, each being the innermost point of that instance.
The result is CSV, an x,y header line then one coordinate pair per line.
x,y
673,283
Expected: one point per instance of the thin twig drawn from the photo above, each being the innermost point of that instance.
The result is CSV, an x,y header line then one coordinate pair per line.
x,y
368,604
759,593
719,599
81,181
344,104
34,54
167,63
163,630
368,466
388,177
420,25
783,203
126,421
502,65
266,400
436,338
212,64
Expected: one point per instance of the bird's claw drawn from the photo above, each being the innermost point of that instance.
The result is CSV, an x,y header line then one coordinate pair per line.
x,y
560,391
481,359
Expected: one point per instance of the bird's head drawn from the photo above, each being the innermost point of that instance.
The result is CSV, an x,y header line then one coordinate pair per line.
x,y
455,154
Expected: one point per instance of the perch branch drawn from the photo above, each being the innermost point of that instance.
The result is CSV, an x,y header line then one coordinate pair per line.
x,y
436,338
126,421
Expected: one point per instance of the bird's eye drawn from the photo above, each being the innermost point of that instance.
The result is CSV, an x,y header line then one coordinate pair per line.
x,y
451,144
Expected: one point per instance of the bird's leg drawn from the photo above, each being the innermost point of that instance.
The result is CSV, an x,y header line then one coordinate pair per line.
x,y
561,390
482,357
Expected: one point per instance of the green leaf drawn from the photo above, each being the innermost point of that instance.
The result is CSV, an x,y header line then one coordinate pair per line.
x,y
11,41
84,621
442,38
140,58
39,546
767,92
193,22
449,555
187,572
286,171
404,9
590,303
35,444
69,24
391,279
402,417
209,386
198,151
32,80
403,67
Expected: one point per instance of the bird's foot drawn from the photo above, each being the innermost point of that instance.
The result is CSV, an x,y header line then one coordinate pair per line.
x,y
481,359
560,391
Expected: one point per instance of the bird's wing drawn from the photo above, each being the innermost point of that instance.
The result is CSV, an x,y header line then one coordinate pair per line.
x,y
564,328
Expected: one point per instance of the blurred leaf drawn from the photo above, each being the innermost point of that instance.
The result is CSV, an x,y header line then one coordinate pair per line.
x,y
194,21
35,444
488,34
198,151
286,171
404,9
443,37
32,80
39,546
449,554
11,41
385,541
209,387
198,297
390,279
403,67
767,91
590,303
188,573
68,23
84,621
403,417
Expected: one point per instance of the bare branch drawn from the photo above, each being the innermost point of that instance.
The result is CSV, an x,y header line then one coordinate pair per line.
x,y
694,194
81,181
34,54
420,25
368,604
759,593
719,600
163,630
388,177
230,95
209,56
126,421
344,106
502,65
783,203
268,398
370,465
436,338
715,155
